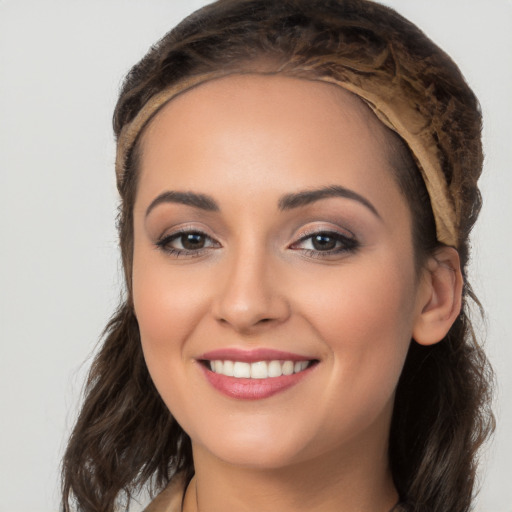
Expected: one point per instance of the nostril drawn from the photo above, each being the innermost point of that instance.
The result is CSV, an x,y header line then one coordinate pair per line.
x,y
246,311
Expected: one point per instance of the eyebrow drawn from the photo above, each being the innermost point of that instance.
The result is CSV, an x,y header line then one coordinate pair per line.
x,y
303,198
286,202
201,201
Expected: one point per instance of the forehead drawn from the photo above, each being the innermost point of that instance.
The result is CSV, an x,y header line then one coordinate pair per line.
x,y
244,95
266,133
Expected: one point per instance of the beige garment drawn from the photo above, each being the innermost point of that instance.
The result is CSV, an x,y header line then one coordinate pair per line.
x,y
170,499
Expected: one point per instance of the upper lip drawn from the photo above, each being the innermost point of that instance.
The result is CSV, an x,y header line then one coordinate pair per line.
x,y
251,356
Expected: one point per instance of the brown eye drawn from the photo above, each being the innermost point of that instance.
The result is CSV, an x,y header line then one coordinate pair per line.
x,y
324,242
187,243
192,241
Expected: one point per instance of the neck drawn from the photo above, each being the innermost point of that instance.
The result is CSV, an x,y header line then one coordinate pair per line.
x,y
334,482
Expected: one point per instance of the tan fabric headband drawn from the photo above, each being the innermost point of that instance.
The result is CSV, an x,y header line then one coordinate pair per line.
x,y
391,107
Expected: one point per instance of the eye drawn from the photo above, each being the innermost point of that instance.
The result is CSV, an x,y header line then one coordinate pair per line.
x,y
186,243
189,241
325,243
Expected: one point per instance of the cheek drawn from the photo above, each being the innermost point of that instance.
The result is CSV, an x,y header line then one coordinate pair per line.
x,y
378,294
167,305
365,317
367,323
168,310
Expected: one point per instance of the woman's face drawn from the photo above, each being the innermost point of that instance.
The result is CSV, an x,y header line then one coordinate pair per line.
x,y
271,234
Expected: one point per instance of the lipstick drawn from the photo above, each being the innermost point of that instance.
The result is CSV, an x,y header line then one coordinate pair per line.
x,y
254,374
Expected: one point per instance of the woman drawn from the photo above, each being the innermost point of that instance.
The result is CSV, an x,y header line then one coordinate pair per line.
x,y
298,183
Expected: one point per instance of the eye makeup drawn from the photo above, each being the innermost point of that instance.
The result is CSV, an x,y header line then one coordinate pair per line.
x,y
325,243
315,243
186,242
324,229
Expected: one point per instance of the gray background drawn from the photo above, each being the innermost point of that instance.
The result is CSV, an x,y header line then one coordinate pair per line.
x,y
61,63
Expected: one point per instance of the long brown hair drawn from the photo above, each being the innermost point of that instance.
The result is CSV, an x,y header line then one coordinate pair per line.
x,y
125,438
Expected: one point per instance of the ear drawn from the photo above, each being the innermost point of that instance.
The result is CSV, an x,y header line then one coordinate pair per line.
x,y
440,297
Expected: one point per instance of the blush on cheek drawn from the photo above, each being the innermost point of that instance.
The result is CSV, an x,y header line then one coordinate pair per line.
x,y
158,307
368,325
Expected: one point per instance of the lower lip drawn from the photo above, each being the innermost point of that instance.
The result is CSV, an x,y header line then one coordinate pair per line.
x,y
253,389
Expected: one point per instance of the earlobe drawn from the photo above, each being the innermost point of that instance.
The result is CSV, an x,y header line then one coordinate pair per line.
x,y
440,297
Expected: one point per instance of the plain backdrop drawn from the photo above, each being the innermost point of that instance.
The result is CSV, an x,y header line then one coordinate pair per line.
x,y
61,64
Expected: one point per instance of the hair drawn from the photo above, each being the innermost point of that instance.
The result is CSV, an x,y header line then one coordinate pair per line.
x,y
125,438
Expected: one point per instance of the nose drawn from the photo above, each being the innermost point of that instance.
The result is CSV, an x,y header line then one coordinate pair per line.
x,y
248,297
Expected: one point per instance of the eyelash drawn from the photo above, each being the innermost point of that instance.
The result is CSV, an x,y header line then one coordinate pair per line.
x,y
347,244
164,244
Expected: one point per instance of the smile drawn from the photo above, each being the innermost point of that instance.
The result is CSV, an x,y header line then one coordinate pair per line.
x,y
254,374
258,369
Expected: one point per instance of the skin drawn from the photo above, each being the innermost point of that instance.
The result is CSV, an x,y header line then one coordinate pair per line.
x,y
247,141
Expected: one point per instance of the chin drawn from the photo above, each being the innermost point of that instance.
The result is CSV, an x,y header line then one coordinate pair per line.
x,y
256,451
258,458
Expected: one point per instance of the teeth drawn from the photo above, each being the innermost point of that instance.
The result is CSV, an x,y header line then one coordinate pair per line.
x,y
242,370
299,366
257,370
288,367
275,369
228,368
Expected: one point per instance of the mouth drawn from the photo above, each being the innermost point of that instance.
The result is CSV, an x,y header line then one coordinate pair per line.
x,y
257,370
254,374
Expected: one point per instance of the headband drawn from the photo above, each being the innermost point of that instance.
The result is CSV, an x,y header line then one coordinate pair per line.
x,y
393,108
